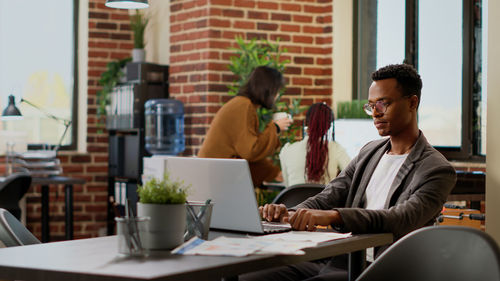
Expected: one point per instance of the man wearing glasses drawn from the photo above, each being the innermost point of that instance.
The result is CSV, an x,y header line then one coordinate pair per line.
x,y
395,184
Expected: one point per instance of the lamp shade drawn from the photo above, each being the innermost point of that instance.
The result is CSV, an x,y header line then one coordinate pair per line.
x,y
11,109
127,4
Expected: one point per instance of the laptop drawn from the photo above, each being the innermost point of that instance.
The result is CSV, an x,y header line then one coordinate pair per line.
x,y
226,181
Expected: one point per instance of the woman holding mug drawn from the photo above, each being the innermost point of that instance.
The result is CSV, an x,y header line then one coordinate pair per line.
x,y
234,132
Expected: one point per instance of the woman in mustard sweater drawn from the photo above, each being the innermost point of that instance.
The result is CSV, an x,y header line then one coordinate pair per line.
x,y
234,132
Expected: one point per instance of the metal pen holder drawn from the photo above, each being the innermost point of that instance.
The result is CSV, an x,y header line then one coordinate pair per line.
x,y
198,219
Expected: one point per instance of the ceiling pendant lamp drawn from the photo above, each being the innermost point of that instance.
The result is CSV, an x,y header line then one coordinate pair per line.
x,y
127,4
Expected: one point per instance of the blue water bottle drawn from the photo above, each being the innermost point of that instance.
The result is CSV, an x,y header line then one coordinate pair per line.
x,y
164,126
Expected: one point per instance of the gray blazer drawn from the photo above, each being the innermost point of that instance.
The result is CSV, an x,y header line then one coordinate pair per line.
x,y
415,198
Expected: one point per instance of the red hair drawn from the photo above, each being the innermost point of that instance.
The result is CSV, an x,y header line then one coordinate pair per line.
x,y
318,120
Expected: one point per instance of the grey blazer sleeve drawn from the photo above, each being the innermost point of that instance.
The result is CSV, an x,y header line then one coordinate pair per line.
x,y
422,186
418,204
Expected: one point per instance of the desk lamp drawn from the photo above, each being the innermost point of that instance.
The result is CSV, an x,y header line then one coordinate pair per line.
x,y
127,4
12,111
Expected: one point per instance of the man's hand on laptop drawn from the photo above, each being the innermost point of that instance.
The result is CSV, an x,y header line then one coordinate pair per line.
x,y
274,212
308,219
301,219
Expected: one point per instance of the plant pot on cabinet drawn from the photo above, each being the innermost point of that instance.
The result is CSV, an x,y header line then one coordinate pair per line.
x,y
138,55
166,226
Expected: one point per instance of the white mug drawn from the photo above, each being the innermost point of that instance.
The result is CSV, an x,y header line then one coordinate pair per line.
x,y
281,115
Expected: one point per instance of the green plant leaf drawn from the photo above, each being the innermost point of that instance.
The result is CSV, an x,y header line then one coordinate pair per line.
x,y
352,110
165,191
109,79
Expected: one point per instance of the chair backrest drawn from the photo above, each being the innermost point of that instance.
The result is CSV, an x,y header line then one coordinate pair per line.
x,y
12,189
297,193
438,253
13,232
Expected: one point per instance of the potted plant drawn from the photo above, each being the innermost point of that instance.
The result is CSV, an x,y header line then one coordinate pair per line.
x,y
138,23
164,202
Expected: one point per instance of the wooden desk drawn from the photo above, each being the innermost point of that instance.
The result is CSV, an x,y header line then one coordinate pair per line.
x,y
96,259
68,199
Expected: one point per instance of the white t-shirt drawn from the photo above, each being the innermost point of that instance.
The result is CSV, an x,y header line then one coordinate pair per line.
x,y
380,183
378,188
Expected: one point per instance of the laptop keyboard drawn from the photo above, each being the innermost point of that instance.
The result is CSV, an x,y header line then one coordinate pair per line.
x,y
275,227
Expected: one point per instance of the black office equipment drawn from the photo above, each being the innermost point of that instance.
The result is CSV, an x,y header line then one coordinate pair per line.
x,y
12,189
126,127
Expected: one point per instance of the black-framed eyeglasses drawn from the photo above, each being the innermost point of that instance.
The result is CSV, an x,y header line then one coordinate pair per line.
x,y
380,105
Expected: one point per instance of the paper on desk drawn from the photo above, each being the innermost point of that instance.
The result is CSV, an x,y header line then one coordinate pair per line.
x,y
305,236
221,246
290,243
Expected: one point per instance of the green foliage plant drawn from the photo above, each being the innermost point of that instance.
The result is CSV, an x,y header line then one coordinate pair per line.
x,y
250,55
109,79
164,191
138,23
352,110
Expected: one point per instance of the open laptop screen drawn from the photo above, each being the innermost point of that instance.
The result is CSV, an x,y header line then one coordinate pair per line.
x,y
226,181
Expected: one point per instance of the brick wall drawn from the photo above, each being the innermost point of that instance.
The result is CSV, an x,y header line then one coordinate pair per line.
x,y
109,39
203,30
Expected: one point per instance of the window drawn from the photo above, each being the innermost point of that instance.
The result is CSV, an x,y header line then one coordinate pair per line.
x,y
445,41
38,64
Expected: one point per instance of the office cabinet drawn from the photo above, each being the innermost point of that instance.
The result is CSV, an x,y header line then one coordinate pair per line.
x,y
126,129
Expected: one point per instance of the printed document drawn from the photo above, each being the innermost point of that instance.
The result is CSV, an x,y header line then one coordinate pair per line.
x,y
289,243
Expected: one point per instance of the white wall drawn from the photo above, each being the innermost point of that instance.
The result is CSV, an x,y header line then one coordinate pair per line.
x,y
83,59
492,128
157,33
342,51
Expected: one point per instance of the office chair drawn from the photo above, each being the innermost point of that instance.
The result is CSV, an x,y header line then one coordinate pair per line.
x,y
13,232
297,193
12,189
438,253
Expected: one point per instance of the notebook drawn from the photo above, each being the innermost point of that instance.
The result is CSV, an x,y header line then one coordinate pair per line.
x,y
226,181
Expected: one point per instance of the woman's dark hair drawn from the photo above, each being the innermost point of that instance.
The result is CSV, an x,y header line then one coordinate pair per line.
x,y
318,120
263,86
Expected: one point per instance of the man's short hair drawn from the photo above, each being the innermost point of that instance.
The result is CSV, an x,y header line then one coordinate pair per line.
x,y
408,79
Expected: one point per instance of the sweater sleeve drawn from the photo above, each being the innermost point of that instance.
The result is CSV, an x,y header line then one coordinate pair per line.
x,y
341,155
249,143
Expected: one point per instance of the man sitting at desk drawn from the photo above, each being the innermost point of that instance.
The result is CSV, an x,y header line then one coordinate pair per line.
x,y
395,184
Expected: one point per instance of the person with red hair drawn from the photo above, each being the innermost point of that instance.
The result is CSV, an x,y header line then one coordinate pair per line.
x,y
315,159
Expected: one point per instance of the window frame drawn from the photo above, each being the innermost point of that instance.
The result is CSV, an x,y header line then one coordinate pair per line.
x,y
466,151
74,106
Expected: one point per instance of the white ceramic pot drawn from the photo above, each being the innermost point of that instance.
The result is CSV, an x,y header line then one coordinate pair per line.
x,y
138,55
166,226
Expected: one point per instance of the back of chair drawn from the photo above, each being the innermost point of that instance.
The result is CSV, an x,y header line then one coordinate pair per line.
x,y
12,189
438,253
297,193
13,232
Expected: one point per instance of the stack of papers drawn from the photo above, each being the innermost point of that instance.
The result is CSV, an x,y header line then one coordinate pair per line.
x,y
289,243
